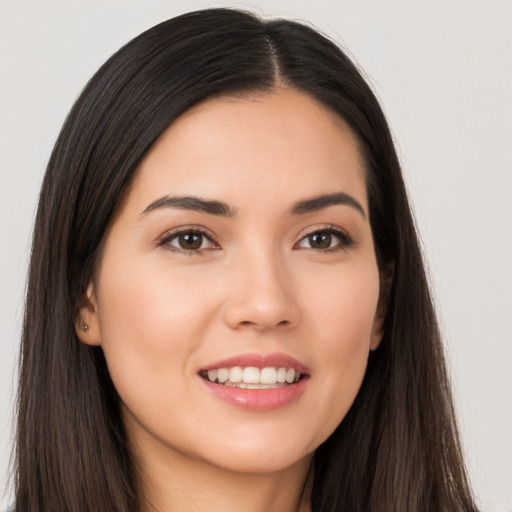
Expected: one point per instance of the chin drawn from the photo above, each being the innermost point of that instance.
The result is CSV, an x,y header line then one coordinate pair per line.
x,y
259,454
261,464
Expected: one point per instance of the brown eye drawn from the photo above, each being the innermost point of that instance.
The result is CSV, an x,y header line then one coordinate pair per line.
x,y
190,241
320,240
326,240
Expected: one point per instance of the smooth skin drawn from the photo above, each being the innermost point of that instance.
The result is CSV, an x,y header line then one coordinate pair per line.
x,y
261,280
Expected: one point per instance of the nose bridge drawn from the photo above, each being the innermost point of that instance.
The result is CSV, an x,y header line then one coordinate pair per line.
x,y
261,292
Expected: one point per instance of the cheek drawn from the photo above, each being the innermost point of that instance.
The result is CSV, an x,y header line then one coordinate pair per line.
x,y
149,326
343,319
344,307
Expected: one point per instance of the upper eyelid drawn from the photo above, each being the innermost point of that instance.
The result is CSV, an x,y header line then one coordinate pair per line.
x,y
207,232
322,228
343,235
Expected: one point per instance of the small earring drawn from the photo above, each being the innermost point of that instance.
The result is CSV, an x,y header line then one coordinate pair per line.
x,y
85,327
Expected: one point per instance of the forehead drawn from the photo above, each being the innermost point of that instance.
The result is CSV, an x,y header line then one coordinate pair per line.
x,y
268,145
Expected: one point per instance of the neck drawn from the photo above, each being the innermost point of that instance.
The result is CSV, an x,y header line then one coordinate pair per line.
x,y
178,484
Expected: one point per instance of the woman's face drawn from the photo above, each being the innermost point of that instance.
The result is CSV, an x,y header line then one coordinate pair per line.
x,y
243,251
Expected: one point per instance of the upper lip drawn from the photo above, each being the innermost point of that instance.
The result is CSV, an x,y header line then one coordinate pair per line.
x,y
276,359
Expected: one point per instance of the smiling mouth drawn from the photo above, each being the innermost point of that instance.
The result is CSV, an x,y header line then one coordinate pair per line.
x,y
251,377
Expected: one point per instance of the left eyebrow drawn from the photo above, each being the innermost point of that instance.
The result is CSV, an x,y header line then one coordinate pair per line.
x,y
191,203
319,202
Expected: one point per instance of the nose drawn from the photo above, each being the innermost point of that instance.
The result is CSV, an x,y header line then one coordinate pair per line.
x,y
261,295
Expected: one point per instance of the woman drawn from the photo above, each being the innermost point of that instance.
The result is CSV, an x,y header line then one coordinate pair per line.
x,y
227,304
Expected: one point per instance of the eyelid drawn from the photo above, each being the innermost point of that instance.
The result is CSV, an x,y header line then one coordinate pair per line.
x,y
322,228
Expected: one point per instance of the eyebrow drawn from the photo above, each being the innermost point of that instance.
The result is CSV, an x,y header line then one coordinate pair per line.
x,y
317,203
219,208
192,203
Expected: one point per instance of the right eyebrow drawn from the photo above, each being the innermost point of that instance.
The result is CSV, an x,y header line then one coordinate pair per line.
x,y
323,201
191,203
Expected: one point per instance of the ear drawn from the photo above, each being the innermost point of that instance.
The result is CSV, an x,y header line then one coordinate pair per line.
x,y
386,280
87,325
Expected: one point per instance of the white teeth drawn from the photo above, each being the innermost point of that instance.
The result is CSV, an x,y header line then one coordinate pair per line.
x,y
235,374
268,376
252,377
281,375
222,374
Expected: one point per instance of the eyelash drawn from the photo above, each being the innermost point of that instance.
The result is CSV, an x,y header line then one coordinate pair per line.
x,y
171,235
346,240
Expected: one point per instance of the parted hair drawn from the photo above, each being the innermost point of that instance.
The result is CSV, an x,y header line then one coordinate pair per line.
x,y
397,450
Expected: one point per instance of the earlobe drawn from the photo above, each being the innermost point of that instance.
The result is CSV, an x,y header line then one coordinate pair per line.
x,y
375,341
377,332
87,325
386,280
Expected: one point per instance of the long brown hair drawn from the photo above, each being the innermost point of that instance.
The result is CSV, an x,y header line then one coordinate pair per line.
x,y
397,450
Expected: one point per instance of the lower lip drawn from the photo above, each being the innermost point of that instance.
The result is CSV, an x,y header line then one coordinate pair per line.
x,y
258,399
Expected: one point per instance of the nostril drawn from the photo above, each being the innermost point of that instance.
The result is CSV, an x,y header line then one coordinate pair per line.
x,y
282,323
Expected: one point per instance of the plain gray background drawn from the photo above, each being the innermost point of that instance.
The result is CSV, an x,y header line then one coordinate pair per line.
x,y
443,72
